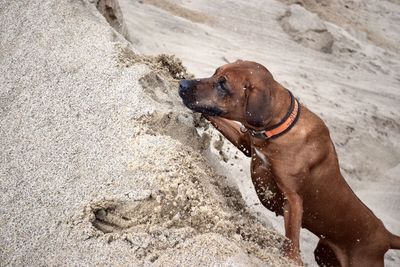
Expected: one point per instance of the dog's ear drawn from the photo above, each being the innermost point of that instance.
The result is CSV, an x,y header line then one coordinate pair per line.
x,y
258,105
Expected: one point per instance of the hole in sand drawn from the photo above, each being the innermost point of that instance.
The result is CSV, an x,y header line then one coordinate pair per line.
x,y
110,220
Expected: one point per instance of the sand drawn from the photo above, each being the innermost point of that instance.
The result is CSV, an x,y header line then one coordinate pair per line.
x,y
354,87
100,162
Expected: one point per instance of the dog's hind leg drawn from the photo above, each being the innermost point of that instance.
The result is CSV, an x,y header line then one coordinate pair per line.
x,y
394,241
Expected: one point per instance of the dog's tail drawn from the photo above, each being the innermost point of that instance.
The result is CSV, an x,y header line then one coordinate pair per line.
x,y
394,241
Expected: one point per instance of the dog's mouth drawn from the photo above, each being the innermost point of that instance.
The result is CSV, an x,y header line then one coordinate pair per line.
x,y
211,111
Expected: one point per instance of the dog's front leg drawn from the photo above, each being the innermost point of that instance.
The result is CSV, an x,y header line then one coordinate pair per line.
x,y
293,215
231,130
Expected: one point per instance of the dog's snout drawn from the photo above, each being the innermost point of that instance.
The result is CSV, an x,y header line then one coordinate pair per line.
x,y
185,86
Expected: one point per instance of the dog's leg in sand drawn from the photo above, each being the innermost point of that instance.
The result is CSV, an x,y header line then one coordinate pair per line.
x,y
293,213
231,130
290,184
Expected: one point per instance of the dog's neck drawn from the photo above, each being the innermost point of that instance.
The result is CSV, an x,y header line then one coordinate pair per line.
x,y
283,114
280,104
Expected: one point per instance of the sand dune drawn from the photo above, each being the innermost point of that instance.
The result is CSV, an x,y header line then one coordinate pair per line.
x,y
100,164
354,87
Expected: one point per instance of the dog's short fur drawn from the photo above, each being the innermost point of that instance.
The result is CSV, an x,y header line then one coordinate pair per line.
x,y
300,167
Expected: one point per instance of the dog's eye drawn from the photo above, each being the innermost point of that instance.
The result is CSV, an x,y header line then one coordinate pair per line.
x,y
221,86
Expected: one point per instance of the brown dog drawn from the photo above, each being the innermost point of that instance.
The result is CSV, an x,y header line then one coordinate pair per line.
x,y
294,158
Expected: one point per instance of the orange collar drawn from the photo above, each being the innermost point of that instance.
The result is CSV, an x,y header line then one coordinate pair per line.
x,y
284,125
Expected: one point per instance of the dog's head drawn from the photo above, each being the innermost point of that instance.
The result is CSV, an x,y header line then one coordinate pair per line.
x,y
238,91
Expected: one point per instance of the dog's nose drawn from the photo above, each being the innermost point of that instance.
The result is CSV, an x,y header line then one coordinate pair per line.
x,y
185,86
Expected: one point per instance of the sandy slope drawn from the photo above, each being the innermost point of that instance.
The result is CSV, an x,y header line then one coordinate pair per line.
x,y
355,89
100,165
